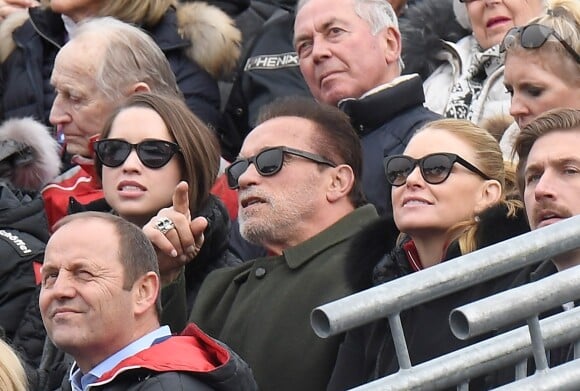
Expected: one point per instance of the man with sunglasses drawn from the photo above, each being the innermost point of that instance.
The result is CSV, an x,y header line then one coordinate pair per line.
x,y
349,53
298,182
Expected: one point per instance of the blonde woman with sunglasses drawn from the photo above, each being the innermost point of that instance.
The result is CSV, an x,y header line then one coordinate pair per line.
x,y
542,66
451,194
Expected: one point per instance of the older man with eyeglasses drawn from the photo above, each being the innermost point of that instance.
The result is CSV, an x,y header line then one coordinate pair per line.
x,y
298,182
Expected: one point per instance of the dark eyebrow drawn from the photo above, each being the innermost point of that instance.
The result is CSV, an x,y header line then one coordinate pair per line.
x,y
535,167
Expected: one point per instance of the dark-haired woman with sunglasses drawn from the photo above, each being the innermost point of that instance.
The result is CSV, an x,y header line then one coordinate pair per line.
x,y
148,146
451,196
468,84
542,66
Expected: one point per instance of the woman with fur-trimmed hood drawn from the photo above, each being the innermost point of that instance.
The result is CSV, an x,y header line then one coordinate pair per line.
x,y
199,40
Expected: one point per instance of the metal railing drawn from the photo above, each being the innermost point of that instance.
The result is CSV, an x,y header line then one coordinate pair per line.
x,y
481,358
389,299
448,277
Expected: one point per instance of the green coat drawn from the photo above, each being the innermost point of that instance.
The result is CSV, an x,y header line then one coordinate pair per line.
x,y
261,309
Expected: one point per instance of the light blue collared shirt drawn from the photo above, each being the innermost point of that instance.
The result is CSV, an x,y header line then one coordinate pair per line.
x,y
80,382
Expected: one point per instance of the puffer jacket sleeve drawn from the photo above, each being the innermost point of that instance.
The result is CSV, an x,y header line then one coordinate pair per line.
x,y
199,89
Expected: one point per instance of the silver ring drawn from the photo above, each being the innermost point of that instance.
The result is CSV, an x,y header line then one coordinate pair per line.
x,y
164,225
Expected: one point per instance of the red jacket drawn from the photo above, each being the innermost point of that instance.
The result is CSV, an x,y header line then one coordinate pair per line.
x,y
79,182
190,361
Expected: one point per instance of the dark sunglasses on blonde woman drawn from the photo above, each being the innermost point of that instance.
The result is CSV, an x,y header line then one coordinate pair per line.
x,y
435,168
534,36
269,162
152,153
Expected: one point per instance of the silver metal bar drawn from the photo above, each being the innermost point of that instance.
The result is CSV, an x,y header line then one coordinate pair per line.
x,y
521,369
537,343
399,341
515,304
481,358
565,377
445,278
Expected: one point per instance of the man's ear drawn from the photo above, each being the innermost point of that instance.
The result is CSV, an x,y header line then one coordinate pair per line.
x,y
341,182
145,291
139,87
490,194
391,38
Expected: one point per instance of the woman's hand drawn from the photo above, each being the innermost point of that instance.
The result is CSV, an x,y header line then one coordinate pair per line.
x,y
176,237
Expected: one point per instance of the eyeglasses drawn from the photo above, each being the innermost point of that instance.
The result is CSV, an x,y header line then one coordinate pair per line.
x,y
152,153
435,168
268,162
534,36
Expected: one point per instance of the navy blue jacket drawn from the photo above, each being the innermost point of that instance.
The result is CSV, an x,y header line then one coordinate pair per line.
x,y
385,121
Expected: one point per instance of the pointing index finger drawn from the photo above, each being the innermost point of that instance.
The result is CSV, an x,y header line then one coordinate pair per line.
x,y
181,199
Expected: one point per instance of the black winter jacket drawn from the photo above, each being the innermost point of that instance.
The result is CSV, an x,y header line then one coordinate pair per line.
x,y
25,70
368,352
23,236
268,71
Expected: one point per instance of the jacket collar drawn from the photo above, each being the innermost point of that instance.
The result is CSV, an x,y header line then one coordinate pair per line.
x,y
49,25
340,231
383,103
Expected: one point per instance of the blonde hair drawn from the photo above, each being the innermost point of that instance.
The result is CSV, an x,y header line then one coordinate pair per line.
x,y
142,12
12,375
489,159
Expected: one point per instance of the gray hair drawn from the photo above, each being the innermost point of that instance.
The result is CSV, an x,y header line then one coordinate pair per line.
x,y
131,56
379,14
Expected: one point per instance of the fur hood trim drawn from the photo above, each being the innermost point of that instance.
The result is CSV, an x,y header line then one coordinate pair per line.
x,y
29,155
7,27
424,27
216,39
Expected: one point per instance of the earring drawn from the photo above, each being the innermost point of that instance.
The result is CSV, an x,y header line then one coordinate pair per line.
x,y
477,219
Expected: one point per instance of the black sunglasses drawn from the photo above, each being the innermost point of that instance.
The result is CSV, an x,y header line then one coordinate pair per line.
x,y
113,152
435,168
268,162
534,36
